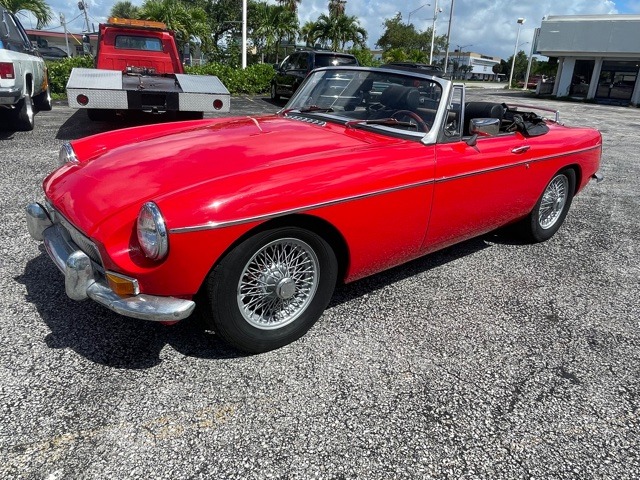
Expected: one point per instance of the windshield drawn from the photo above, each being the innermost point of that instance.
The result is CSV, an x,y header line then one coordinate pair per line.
x,y
134,42
389,101
334,60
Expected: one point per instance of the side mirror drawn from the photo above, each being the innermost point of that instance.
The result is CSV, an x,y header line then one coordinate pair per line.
x,y
484,127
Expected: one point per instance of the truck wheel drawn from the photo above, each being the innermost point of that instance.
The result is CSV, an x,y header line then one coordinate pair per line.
x,y
24,115
42,102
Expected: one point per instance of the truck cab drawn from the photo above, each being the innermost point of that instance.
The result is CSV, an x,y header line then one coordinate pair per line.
x,y
138,68
137,44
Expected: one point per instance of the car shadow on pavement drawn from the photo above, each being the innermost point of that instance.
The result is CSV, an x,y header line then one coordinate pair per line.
x,y
105,337
367,285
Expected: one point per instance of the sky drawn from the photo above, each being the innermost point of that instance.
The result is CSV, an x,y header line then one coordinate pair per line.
x,y
488,27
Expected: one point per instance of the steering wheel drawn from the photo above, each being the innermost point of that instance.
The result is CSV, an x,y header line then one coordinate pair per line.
x,y
420,125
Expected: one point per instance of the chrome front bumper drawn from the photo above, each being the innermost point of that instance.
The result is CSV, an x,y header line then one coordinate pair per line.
x,y
84,279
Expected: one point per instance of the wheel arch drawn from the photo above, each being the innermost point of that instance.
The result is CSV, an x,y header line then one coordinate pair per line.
x,y
317,225
578,172
28,84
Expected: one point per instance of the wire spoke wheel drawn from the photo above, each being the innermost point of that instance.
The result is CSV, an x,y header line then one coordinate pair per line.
x,y
553,201
278,283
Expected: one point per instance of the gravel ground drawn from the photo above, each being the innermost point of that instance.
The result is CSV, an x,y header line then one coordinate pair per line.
x,y
490,359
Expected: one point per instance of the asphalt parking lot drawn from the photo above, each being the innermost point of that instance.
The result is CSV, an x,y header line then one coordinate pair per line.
x,y
490,359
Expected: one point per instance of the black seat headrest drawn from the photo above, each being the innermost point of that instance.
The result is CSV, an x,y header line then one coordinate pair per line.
x,y
400,98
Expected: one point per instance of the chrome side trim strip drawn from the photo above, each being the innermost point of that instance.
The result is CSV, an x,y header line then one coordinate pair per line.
x,y
269,216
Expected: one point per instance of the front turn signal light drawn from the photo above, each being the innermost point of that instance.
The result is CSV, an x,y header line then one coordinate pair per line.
x,y
121,285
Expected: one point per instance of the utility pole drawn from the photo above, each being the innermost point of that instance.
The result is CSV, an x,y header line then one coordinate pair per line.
x,y
82,6
66,34
446,57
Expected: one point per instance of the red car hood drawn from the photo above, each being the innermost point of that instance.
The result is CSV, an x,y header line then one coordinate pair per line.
x,y
124,168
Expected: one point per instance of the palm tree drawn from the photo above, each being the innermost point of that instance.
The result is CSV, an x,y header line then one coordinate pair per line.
x,y
291,5
276,24
38,8
124,9
307,33
186,20
339,30
337,7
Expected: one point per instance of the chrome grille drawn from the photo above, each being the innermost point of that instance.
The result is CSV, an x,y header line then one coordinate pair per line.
x,y
81,240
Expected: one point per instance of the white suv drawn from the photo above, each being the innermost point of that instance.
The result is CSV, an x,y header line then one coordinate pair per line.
x,y
24,84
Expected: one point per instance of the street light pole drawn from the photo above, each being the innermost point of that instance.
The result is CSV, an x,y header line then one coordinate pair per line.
x,y
414,11
515,52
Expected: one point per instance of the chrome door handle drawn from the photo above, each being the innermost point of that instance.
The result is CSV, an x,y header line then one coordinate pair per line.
x,y
522,149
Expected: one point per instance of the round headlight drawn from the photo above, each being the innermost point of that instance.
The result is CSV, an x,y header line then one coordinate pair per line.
x,y
152,232
67,155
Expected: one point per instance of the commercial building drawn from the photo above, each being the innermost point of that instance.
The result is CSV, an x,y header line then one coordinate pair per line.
x,y
598,56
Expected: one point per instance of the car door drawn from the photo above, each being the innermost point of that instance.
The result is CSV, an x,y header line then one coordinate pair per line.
x,y
286,75
479,187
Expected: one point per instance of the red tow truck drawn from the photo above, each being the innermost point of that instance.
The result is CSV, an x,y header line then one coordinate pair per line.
x,y
138,68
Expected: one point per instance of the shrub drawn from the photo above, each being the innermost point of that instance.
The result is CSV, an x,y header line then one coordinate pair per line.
x,y
254,79
59,71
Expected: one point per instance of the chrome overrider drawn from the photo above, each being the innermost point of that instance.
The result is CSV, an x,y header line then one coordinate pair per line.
x,y
83,278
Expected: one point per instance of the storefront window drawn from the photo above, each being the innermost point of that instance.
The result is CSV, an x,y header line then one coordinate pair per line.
x,y
582,73
617,80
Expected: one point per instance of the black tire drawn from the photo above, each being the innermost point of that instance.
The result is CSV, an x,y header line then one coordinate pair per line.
x,y
100,115
24,115
274,92
551,209
42,101
281,299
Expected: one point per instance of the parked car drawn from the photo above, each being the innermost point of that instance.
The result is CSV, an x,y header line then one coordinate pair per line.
x,y
23,75
52,53
294,69
422,67
532,82
256,219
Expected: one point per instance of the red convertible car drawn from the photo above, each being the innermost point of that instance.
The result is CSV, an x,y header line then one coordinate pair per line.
x,y
257,219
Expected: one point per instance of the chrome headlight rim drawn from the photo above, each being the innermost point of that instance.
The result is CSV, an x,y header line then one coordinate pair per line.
x,y
153,241
67,155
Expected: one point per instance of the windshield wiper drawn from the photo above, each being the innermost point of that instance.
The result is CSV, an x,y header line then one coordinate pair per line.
x,y
308,109
380,121
315,108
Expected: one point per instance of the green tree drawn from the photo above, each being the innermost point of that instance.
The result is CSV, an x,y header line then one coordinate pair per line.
x,y
276,24
186,20
124,9
364,56
307,33
38,8
399,35
338,30
290,4
520,65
